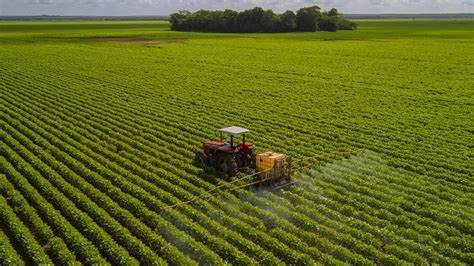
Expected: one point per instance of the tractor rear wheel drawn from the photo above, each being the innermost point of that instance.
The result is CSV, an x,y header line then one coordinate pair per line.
x,y
227,165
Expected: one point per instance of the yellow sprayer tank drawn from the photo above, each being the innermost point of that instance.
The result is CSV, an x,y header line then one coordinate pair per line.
x,y
275,168
266,160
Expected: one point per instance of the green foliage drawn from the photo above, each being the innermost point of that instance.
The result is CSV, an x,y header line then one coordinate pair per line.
x,y
258,20
99,122
21,235
8,254
307,19
55,246
287,21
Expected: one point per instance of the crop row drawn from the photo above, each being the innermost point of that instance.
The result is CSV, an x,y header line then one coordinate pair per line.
x,y
380,232
412,225
87,173
415,158
54,245
8,254
454,197
81,246
21,235
130,143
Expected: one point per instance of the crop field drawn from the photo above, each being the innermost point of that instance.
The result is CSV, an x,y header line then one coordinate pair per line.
x,y
99,123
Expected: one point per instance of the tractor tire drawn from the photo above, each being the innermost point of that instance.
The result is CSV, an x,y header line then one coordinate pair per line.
x,y
226,164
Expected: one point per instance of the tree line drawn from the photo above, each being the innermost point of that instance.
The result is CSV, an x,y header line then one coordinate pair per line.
x,y
307,19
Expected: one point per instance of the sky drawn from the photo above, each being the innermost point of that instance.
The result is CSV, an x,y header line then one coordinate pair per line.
x,y
165,7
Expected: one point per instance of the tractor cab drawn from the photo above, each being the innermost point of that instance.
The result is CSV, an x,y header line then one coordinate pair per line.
x,y
233,132
231,145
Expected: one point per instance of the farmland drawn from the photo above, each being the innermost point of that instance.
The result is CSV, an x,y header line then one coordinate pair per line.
x,y
99,122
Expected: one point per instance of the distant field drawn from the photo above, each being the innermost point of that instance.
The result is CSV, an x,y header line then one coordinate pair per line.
x,y
99,122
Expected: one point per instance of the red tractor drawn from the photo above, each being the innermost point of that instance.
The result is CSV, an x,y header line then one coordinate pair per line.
x,y
269,169
228,157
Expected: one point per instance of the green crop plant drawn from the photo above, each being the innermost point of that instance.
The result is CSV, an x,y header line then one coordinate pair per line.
x,y
99,123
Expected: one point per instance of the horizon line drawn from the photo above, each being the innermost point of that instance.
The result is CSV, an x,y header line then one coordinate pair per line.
x,y
158,15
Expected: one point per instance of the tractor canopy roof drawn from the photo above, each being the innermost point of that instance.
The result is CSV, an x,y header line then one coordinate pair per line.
x,y
234,131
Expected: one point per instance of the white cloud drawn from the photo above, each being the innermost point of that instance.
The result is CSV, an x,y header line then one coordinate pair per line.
x,y
163,7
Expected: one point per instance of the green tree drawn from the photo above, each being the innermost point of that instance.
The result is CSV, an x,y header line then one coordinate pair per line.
x,y
177,19
259,20
287,21
269,22
328,23
333,13
255,20
228,17
307,18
